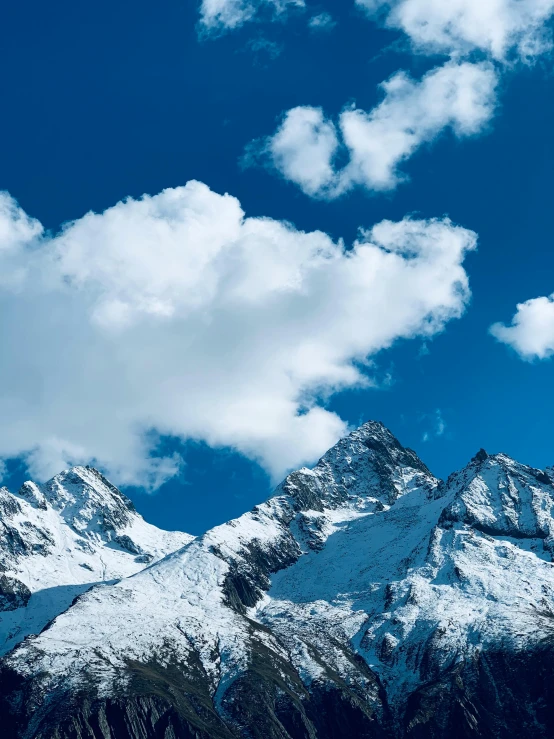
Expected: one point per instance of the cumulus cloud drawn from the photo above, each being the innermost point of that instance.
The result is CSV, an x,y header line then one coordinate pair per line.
x,y
223,15
175,314
304,148
502,29
16,230
531,332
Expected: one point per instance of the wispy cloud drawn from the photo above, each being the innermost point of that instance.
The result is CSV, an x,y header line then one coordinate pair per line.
x,y
263,49
218,16
437,426
503,30
322,22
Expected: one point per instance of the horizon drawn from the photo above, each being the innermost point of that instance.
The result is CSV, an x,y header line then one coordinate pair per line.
x,y
139,500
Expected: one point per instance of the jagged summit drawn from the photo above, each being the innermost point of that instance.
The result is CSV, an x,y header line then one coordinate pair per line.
x,y
84,498
366,470
85,481
502,497
375,437
481,456
365,598
60,538
383,445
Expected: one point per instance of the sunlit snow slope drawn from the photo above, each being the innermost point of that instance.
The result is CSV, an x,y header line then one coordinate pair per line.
x,y
58,539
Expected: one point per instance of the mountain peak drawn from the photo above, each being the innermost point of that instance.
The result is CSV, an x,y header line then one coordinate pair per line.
x,y
372,428
502,497
481,456
60,538
381,443
383,447
83,497
366,470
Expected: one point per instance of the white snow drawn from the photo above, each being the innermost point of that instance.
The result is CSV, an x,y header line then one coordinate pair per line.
x,y
68,530
459,586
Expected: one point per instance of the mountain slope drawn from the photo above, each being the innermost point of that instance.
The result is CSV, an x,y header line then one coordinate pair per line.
x,y
429,586
366,598
59,539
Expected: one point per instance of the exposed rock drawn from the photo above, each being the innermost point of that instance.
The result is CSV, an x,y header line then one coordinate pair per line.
x,y
13,593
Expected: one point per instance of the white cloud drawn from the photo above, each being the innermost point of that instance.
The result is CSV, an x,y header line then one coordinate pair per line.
x,y
322,22
413,112
302,151
175,314
16,230
531,332
223,15
500,28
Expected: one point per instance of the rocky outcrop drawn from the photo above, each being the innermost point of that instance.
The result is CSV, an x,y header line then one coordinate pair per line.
x,y
500,694
13,593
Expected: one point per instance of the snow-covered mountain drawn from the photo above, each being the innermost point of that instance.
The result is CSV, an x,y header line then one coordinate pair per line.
x,y
59,539
366,598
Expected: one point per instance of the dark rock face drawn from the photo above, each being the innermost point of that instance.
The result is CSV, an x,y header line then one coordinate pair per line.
x,y
249,579
127,543
14,544
13,593
481,456
159,703
9,507
500,695
268,702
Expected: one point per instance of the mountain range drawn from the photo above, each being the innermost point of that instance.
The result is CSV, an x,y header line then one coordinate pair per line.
x,y
366,598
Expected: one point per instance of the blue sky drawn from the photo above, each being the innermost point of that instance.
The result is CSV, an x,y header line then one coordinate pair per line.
x,y
116,100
